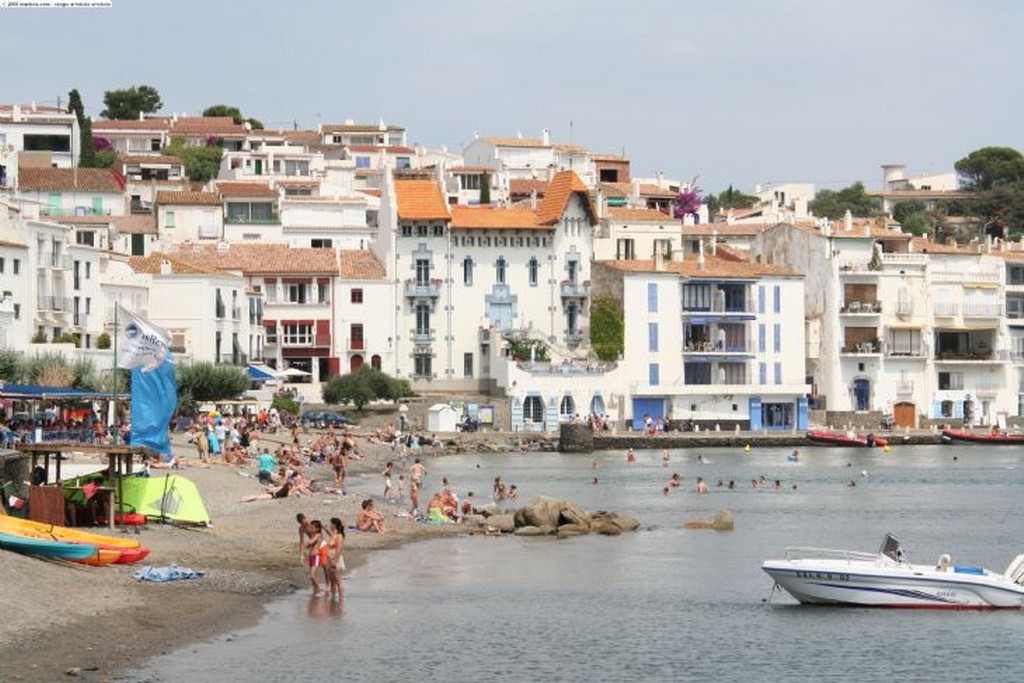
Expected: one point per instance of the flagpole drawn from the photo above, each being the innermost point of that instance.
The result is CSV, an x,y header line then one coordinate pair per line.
x,y
116,307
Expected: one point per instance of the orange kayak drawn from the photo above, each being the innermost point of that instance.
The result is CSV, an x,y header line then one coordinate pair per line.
x,y
132,555
52,532
103,556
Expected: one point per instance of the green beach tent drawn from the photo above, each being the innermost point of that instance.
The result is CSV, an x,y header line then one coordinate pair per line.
x,y
172,498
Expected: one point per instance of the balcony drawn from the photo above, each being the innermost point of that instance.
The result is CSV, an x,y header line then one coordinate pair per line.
x,y
904,259
53,303
428,289
946,310
993,277
905,350
904,308
861,348
980,310
236,312
423,337
247,220
745,308
575,290
978,355
80,320
710,348
862,308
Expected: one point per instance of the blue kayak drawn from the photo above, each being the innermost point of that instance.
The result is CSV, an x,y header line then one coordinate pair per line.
x,y
55,549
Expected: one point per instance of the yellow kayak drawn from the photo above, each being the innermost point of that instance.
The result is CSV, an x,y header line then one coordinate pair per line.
x,y
52,532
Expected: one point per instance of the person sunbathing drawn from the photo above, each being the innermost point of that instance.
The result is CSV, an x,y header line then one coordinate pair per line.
x,y
271,493
369,519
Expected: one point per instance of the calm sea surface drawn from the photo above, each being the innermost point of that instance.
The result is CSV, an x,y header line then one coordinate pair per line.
x,y
665,603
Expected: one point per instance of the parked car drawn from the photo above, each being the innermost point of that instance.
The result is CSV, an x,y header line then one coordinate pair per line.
x,y
324,418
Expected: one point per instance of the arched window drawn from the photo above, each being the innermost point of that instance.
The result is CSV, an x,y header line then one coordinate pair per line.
x,y
375,362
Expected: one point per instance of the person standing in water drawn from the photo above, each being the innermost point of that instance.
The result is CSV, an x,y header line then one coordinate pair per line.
x,y
313,553
335,560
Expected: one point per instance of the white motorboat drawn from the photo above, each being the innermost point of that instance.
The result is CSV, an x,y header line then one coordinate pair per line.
x,y
819,576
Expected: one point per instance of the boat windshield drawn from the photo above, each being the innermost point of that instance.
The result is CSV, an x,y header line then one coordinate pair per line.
x,y
891,548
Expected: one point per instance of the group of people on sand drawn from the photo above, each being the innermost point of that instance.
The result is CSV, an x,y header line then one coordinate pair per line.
x,y
321,549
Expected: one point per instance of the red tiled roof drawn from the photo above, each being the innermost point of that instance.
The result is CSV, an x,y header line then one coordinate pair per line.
x,y
420,200
713,267
725,229
523,187
70,180
153,263
262,258
193,198
625,213
158,123
220,126
149,159
360,264
564,185
469,217
646,190
244,189
133,224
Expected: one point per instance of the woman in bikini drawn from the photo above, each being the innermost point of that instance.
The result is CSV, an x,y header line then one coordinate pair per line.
x,y
313,553
335,561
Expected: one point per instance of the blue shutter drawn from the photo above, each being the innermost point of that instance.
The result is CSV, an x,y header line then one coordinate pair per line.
x,y
801,413
778,337
654,374
755,414
652,336
778,299
778,373
760,299
958,409
937,410
763,373
761,341
652,297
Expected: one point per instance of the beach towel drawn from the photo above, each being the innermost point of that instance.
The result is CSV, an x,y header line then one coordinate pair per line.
x,y
170,573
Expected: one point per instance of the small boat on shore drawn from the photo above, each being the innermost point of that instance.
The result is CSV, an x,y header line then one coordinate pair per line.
x,y
987,438
846,439
820,576
54,549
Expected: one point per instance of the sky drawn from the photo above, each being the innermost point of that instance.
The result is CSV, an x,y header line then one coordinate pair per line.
x,y
734,92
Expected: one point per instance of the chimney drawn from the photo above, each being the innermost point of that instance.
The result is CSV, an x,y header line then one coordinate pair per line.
x,y
34,108
545,137
714,243
165,267
847,221
867,229
533,199
700,257
142,117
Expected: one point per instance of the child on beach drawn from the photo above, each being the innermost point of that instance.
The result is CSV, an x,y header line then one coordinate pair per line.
x,y
313,553
369,519
401,487
387,479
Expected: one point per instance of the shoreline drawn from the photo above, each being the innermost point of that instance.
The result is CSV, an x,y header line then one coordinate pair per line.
x,y
102,622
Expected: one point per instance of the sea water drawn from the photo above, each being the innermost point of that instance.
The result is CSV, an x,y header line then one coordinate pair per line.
x,y
665,603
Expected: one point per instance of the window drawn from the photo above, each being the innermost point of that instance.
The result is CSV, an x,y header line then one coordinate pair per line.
x,y
573,268
625,249
533,268
421,231
652,297
778,299
356,297
406,231
470,182
467,271
293,334
271,334
2,260
296,294
296,167
362,162
402,162
499,273
951,381
663,247
168,219
572,319
653,374
422,365
356,336
17,311
467,365
422,271
760,299
88,270
778,373
762,373
423,319
762,341
778,337
321,243
652,336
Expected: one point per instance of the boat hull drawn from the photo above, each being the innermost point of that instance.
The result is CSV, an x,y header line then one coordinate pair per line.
x,y
42,548
53,532
986,439
838,439
907,587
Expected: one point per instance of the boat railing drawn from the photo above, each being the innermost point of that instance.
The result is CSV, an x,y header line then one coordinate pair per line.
x,y
806,553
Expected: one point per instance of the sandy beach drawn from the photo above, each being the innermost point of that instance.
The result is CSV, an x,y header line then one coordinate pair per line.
x,y
100,620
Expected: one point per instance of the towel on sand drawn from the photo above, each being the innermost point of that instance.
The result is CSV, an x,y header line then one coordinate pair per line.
x,y
170,573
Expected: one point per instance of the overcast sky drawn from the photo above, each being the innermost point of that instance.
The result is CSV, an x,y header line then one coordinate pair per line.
x,y
730,91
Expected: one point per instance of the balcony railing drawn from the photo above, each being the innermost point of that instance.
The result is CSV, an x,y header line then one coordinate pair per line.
x,y
957,356
236,312
904,308
706,347
870,307
243,220
419,289
862,348
746,307
987,310
946,310
986,276
575,290
904,259
53,303
906,350
423,336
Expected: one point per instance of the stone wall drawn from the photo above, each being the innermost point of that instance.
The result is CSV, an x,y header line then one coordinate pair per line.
x,y
576,438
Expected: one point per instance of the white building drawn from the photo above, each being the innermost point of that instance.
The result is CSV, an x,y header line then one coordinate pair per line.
x,y
928,188
626,233
737,359
189,216
36,135
73,191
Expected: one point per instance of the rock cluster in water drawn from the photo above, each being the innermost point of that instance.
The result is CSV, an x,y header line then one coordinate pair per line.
x,y
544,516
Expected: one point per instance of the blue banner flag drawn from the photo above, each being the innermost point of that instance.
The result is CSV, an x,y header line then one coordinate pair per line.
x,y
154,398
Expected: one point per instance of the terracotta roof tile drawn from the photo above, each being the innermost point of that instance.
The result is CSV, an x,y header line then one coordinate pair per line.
x,y
70,180
244,189
624,213
522,187
468,217
360,264
516,142
262,258
193,198
372,193
149,159
222,126
420,200
133,224
626,189
556,198
922,245
152,265
158,123
726,229
10,243
714,267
